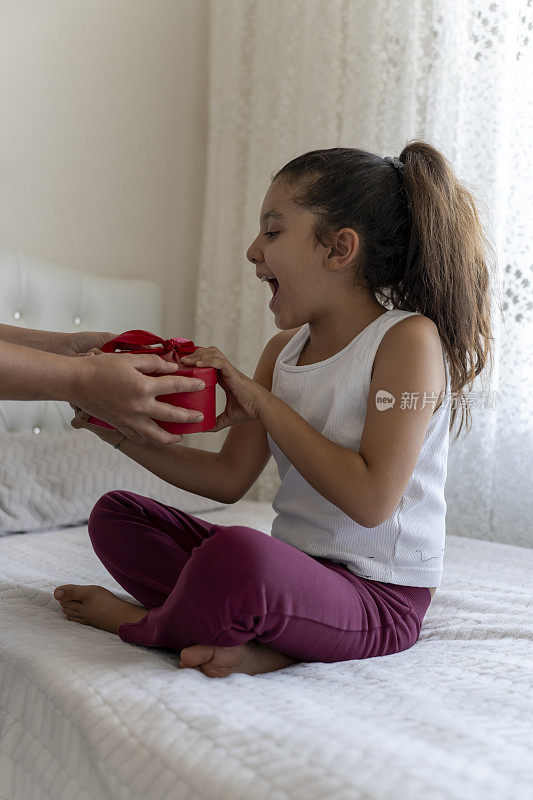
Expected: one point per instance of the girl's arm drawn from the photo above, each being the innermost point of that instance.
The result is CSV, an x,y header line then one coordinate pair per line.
x,y
225,476
368,485
198,471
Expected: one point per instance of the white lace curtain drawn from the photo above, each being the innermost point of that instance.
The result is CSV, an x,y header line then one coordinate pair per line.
x,y
288,76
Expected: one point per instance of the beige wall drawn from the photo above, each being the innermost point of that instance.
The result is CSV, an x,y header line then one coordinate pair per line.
x,y
103,126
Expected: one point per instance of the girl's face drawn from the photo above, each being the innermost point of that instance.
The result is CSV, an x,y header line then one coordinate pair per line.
x,y
284,249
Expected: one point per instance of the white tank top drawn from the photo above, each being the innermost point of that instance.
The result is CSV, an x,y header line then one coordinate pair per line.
x,y
331,395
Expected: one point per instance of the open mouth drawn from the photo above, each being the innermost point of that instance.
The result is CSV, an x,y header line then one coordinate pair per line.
x,y
275,292
274,285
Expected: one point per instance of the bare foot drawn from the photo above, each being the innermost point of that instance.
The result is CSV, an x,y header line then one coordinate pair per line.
x,y
251,658
98,607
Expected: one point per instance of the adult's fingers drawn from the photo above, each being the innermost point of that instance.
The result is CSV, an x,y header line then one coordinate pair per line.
x,y
170,384
131,394
164,383
169,413
150,362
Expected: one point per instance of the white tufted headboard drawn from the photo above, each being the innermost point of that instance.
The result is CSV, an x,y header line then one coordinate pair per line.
x,y
38,294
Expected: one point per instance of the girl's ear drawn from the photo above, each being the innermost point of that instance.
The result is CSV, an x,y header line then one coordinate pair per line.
x,y
344,249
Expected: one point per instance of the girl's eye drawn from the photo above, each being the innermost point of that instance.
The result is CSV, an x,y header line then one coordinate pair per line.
x,y
271,233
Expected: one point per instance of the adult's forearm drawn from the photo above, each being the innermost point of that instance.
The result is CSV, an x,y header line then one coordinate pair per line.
x,y
50,341
201,472
27,374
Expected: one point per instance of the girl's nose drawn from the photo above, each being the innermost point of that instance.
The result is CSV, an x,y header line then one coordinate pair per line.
x,y
250,256
253,253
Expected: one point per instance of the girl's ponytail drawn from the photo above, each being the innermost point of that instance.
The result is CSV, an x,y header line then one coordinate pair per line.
x,y
421,244
447,275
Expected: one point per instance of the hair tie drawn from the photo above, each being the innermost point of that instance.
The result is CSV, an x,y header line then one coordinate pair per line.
x,y
398,165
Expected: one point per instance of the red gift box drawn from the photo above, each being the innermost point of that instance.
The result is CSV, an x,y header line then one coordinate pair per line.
x,y
203,400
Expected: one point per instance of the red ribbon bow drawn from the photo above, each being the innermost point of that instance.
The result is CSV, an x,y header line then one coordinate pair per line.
x,y
140,341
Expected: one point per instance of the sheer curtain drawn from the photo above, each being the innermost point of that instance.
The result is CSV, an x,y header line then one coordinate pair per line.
x,y
288,77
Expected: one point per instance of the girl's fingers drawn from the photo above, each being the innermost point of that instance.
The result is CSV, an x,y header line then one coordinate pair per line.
x,y
151,433
130,433
80,418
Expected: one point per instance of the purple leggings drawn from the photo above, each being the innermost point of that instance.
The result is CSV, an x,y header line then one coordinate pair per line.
x,y
227,584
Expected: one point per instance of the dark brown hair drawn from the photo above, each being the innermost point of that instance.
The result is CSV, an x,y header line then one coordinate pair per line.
x,y
421,243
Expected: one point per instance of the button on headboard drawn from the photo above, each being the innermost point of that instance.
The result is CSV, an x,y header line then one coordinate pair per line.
x,y
38,294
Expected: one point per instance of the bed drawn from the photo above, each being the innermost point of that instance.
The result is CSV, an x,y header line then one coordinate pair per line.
x,y
84,714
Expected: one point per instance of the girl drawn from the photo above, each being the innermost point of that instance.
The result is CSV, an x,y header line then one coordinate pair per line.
x,y
352,398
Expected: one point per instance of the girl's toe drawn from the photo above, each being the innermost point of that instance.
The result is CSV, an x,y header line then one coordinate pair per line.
x,y
70,592
73,605
63,592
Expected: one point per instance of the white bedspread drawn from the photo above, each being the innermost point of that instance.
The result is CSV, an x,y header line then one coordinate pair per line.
x,y
86,715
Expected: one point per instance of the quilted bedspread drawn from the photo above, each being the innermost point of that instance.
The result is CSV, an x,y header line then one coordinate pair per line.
x,y
85,715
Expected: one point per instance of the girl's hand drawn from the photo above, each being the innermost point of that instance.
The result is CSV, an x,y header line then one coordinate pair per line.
x,y
243,395
105,434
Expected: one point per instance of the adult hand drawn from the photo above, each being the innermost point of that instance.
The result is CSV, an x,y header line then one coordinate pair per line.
x,y
81,342
243,395
115,388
